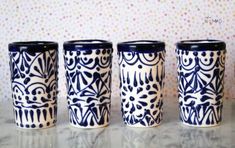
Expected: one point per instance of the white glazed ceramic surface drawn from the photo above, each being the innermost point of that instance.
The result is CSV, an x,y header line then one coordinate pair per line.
x,y
34,88
142,81
201,84
88,75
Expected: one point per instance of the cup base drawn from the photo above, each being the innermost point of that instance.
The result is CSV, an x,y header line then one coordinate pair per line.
x,y
202,126
36,127
139,126
89,127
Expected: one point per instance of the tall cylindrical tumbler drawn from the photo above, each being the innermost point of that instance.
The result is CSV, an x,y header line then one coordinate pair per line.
x,y
88,65
142,75
34,69
201,66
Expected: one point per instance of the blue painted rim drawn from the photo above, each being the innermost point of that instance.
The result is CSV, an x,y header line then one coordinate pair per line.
x,y
89,44
141,46
201,45
33,46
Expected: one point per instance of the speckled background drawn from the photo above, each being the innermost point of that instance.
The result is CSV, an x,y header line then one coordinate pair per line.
x,y
118,20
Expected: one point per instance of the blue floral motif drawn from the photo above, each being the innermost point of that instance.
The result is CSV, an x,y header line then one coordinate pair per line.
x,y
141,83
20,63
200,77
88,75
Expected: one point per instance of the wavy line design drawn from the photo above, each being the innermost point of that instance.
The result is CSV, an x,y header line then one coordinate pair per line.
x,y
88,75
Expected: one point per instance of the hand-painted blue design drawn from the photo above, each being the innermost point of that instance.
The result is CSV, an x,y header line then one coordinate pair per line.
x,y
34,87
141,83
88,75
201,84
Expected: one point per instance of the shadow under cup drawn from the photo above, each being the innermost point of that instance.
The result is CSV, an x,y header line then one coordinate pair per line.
x,y
88,65
201,67
34,70
142,74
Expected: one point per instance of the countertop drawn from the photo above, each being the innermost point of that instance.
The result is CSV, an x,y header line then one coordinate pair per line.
x,y
171,133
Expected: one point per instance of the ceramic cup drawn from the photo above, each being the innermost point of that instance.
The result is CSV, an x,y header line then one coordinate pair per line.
x,y
88,65
34,69
201,66
142,75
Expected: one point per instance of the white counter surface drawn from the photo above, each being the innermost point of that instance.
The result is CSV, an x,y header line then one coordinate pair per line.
x,y
171,133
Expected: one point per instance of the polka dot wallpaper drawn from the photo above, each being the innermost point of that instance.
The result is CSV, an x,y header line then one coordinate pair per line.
x,y
118,20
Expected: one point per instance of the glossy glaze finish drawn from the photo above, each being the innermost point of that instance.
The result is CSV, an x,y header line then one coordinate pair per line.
x,y
201,67
142,74
34,70
88,65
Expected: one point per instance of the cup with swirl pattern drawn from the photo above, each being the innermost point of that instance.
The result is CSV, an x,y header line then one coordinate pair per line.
x,y
34,70
201,67
88,65
142,74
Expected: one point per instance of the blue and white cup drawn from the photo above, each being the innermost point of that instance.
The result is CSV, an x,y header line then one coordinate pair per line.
x,y
142,74
88,65
34,70
201,66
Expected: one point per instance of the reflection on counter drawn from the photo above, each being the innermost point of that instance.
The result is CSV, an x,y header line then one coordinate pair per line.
x,y
138,138
171,133
181,136
86,138
200,137
45,138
